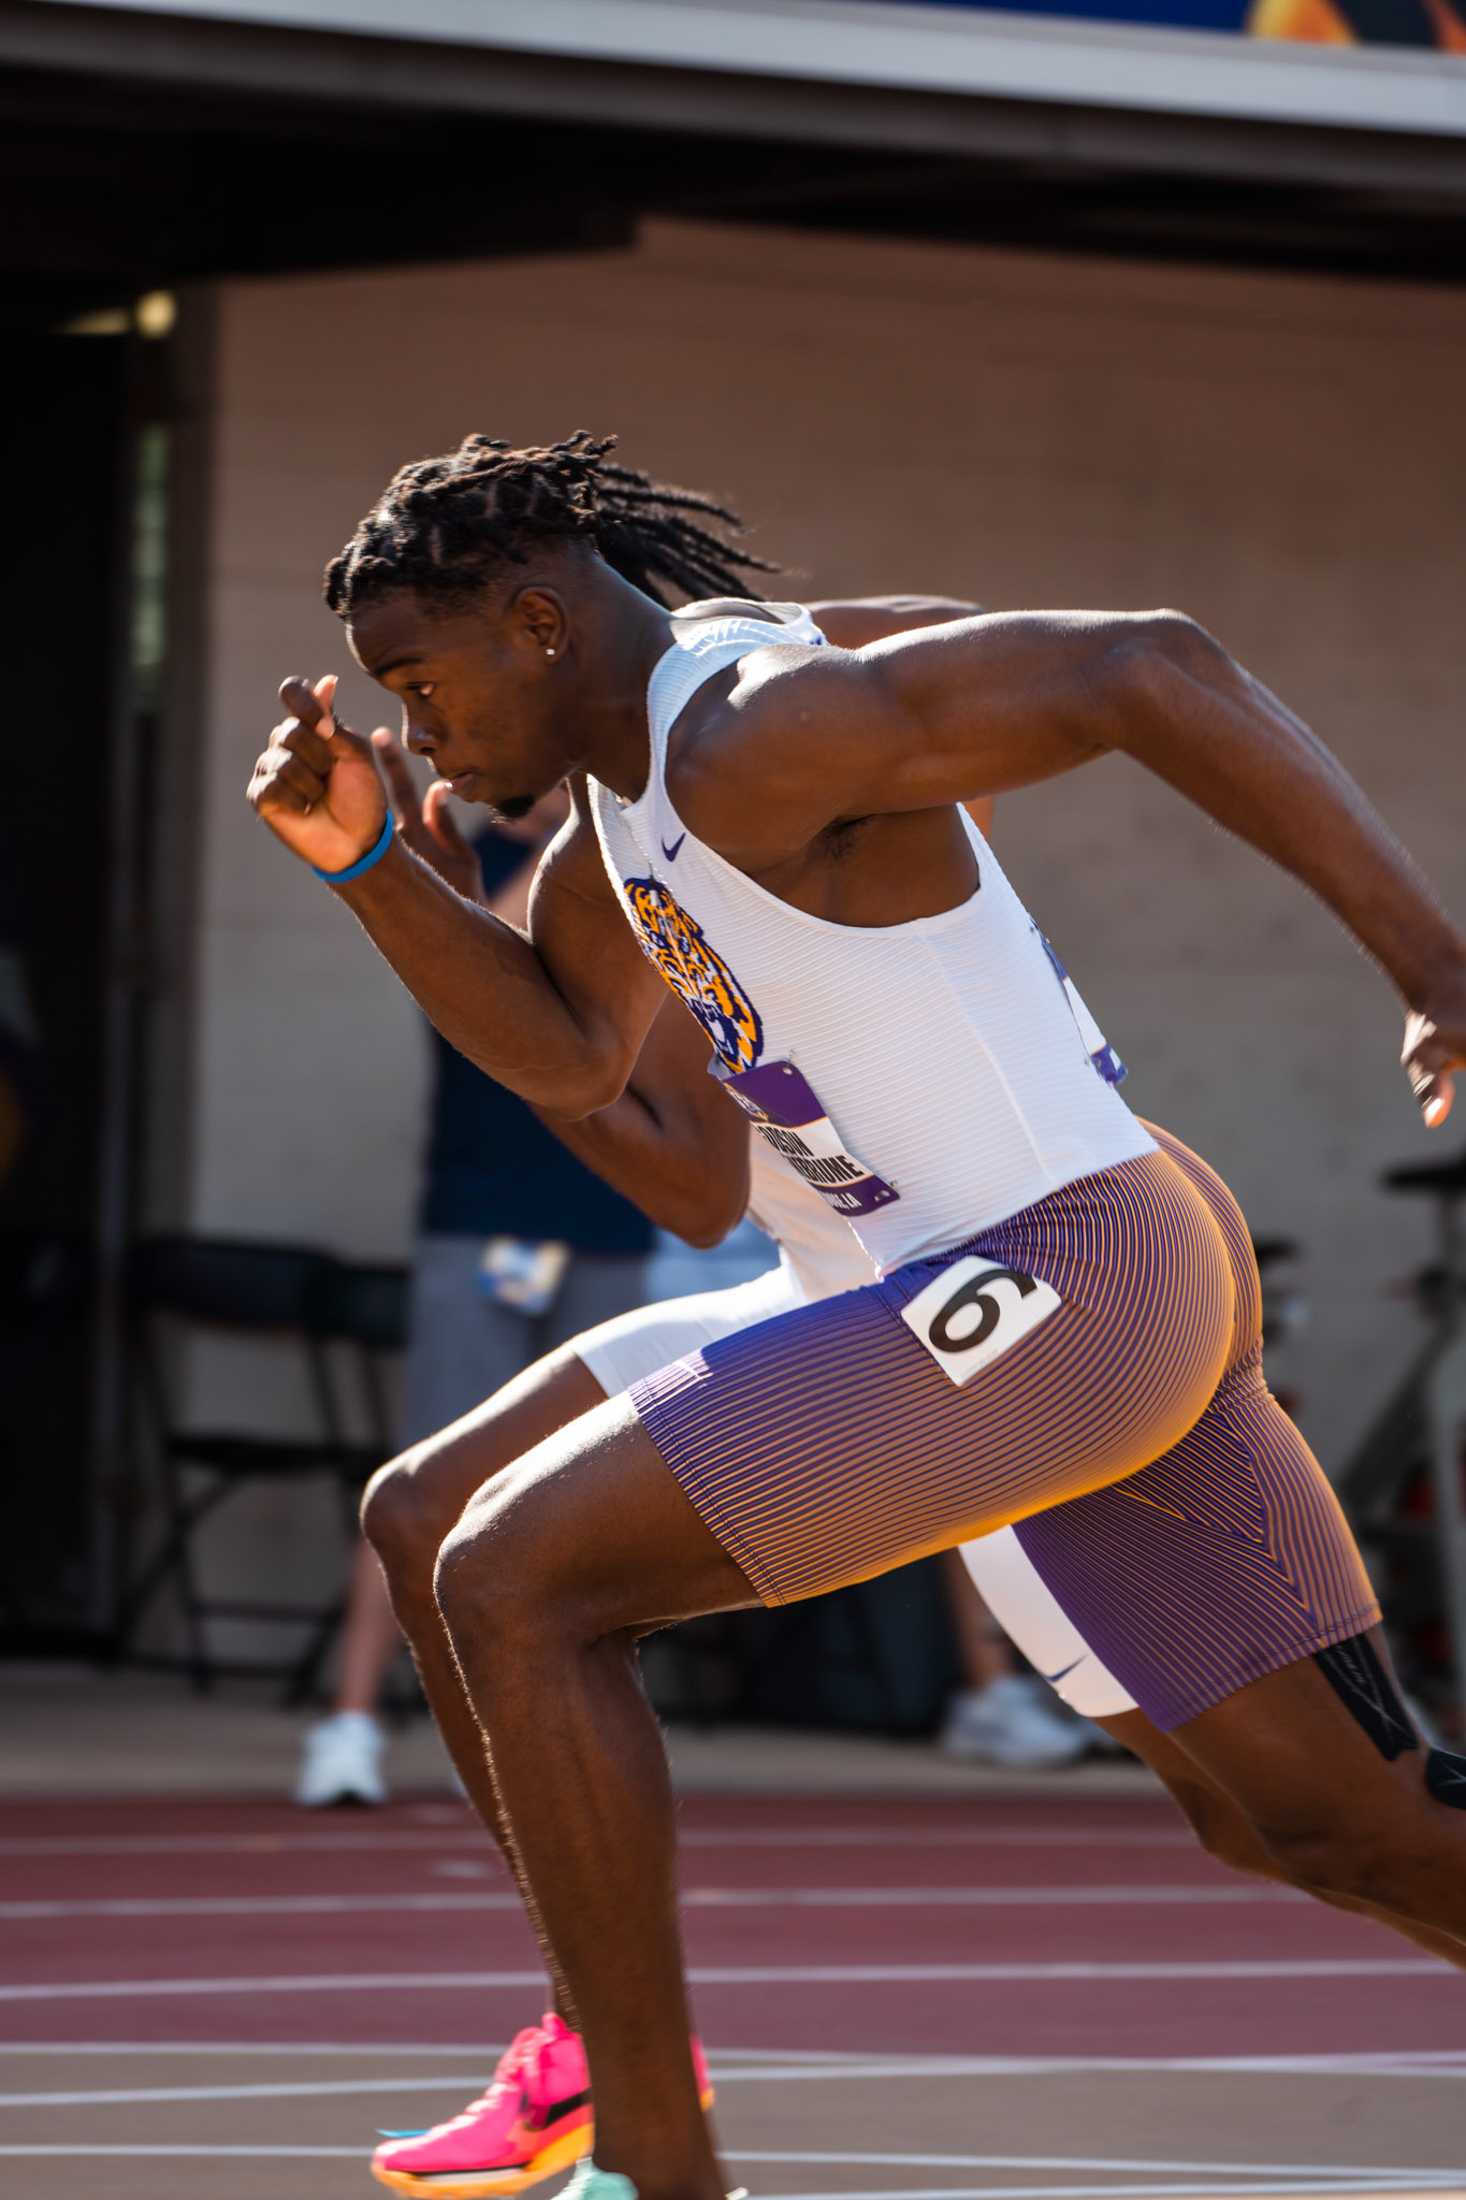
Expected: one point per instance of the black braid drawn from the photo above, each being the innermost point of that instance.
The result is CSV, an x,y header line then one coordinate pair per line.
x,y
446,525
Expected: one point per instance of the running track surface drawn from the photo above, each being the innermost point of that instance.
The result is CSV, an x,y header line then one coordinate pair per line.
x,y
1050,1999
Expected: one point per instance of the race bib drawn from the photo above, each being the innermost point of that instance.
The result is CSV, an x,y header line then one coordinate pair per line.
x,y
974,1312
785,1110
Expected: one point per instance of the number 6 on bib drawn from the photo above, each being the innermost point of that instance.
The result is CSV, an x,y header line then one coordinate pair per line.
x,y
974,1312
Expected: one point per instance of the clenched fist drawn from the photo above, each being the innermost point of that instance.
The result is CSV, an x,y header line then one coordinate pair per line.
x,y
316,786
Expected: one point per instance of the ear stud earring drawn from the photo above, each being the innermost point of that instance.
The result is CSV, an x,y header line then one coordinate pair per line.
x,y
549,652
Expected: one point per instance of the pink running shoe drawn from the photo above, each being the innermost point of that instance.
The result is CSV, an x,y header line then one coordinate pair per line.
x,y
534,2121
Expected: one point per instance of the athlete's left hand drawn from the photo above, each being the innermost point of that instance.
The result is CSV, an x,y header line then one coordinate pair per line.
x,y
1435,1045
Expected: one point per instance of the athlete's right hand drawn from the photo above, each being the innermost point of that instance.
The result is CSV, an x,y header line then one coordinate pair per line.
x,y
426,822
316,785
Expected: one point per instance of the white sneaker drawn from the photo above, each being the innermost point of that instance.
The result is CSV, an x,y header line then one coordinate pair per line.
x,y
341,1762
1007,1723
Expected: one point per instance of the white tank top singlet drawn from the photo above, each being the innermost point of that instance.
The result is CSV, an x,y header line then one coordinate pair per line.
x,y
926,1078
818,1251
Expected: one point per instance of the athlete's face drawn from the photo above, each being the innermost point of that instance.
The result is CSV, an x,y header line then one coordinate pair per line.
x,y
478,688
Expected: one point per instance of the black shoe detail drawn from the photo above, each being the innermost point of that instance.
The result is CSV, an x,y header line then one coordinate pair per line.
x,y
563,2108
1355,1674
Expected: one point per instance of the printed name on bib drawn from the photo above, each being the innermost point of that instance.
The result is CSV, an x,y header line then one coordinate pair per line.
x,y
974,1312
786,1112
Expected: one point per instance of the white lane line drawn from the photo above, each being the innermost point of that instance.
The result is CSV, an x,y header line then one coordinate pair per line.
x,y
1385,2173
283,2152
745,2065
474,2050
1364,2059
689,1837
1415,2174
813,1974
694,1898
1167,2191
329,2088
1171,2190
1006,2066
119,2096
1105,2163
1055,2066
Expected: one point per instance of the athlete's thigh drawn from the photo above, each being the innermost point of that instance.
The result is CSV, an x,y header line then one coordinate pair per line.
x,y
593,1534
1053,1353
446,1468
1226,1559
440,1473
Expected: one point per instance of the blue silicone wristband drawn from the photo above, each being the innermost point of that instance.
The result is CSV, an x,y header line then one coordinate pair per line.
x,y
373,855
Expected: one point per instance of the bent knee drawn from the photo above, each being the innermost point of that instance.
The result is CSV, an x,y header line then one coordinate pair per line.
x,y
1223,1831
478,1590
504,1572
402,1519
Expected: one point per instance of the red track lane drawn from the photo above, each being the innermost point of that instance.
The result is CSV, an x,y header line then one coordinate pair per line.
x,y
91,1853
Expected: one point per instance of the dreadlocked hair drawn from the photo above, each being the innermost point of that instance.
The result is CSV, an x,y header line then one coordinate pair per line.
x,y
445,525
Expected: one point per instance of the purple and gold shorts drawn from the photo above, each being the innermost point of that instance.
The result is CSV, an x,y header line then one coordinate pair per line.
x,y
1090,1370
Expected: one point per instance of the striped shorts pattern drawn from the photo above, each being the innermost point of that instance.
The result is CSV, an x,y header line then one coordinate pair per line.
x,y
1225,1559
829,1445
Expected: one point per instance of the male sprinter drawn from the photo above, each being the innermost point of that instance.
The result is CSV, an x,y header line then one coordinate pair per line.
x,y
772,824
673,1143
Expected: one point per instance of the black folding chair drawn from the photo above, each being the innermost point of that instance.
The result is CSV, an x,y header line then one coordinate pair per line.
x,y
308,1301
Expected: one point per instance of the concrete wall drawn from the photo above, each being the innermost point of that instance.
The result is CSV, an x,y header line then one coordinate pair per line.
x,y
1283,457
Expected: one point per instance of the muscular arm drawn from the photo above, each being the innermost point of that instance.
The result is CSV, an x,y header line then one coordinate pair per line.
x,y
852,621
673,1143
558,1015
1004,701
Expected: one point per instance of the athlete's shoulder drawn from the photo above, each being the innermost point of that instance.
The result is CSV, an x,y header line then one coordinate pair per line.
x,y
749,770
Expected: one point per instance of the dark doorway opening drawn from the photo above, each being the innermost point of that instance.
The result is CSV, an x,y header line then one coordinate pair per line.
x,y
64,439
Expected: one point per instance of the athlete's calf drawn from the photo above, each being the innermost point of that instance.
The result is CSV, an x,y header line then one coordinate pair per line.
x,y
1325,1764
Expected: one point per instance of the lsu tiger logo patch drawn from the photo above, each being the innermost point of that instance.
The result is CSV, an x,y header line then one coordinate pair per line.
x,y
696,973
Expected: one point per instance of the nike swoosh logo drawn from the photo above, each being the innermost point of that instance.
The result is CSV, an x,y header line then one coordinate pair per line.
x,y
1065,1670
671,853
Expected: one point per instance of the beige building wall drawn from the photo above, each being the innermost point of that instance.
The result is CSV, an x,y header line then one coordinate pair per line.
x,y
1284,457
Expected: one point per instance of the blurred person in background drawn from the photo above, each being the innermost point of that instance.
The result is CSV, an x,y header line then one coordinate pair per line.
x,y
519,1246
